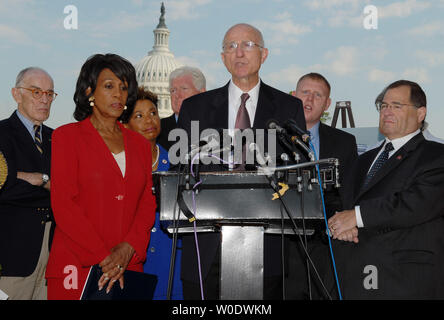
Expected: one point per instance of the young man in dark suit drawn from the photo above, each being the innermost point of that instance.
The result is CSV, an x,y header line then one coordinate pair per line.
x,y
184,83
25,208
391,235
314,91
243,55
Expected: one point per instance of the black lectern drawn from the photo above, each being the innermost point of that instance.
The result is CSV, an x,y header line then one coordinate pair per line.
x,y
240,206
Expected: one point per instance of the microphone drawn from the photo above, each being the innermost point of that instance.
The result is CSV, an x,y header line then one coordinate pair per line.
x,y
263,168
291,125
273,124
217,144
286,159
211,141
310,152
283,135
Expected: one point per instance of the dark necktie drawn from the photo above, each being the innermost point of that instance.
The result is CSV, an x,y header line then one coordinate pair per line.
x,y
383,157
242,122
38,138
242,118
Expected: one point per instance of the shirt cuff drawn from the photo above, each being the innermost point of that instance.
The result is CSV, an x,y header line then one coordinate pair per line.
x,y
359,222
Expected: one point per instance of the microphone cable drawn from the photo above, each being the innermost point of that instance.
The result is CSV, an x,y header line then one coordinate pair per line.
x,y
326,224
300,238
176,210
194,222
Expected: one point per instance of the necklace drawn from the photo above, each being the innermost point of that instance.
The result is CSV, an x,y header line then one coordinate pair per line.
x,y
157,158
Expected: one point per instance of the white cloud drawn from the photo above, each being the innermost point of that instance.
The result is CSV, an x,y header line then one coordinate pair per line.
x,y
184,9
416,74
382,76
343,60
340,12
350,12
283,30
13,35
428,30
328,4
15,6
431,58
402,9
346,17
289,75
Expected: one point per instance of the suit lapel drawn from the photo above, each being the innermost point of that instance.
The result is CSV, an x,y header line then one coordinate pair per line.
x,y
264,109
393,162
324,147
24,138
365,161
100,144
219,106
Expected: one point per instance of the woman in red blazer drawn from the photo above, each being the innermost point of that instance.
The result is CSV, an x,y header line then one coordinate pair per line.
x,y
101,183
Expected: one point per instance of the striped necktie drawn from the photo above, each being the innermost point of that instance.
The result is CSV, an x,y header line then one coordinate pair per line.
x,y
38,138
383,157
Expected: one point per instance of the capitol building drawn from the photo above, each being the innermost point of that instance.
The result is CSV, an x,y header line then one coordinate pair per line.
x,y
154,69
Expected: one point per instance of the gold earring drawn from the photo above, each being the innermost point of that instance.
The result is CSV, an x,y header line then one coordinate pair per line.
x,y
125,107
91,101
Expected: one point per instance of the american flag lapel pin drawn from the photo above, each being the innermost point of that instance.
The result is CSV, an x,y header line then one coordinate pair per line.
x,y
399,157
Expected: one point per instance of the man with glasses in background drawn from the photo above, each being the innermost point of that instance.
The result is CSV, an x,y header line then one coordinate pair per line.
x,y
391,237
25,208
244,102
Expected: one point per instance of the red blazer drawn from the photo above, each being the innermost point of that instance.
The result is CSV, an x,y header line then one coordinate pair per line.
x,y
95,207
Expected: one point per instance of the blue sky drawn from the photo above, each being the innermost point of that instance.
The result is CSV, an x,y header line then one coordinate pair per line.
x,y
325,36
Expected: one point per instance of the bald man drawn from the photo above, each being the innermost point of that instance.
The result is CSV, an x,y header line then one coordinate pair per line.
x,y
25,213
243,53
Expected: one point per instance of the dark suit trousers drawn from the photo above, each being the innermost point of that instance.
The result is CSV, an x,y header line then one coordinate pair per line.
x,y
298,284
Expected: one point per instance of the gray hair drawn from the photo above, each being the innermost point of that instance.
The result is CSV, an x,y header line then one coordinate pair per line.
x,y
246,25
21,75
197,76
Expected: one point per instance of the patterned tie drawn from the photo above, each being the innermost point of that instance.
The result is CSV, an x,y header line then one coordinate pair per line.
x,y
38,138
383,157
242,122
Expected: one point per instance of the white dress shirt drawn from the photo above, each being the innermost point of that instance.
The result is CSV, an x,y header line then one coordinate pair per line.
x,y
234,101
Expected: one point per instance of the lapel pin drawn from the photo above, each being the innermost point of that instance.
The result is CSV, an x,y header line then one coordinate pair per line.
x,y
399,157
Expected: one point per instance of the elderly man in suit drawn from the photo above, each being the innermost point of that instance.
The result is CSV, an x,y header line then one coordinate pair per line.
x,y
314,91
184,82
25,211
392,239
244,102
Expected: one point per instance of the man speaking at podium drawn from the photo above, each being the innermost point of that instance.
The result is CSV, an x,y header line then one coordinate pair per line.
x,y
244,102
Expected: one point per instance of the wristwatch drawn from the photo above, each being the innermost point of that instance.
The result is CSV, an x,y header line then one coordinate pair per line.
x,y
45,179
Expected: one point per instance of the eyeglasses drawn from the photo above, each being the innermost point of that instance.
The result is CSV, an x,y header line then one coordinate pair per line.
x,y
244,45
38,93
381,105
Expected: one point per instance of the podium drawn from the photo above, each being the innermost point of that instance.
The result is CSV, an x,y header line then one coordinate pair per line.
x,y
240,206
